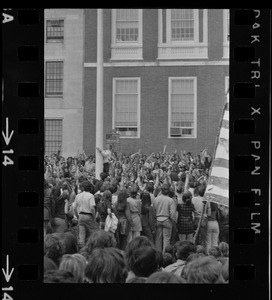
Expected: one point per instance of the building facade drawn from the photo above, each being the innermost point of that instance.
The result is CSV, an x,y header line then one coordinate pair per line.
x,y
64,79
165,77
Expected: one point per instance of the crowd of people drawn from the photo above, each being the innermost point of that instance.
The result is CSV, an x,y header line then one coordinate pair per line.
x,y
143,221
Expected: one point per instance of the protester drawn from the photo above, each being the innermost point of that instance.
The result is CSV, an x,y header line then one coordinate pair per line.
x,y
185,223
106,265
122,211
182,250
212,226
164,210
84,208
147,217
132,246
104,208
148,195
205,270
99,239
106,154
134,204
74,263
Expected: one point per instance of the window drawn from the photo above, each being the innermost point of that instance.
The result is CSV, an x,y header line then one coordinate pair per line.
x,y
54,79
54,31
127,25
126,106
182,33
126,34
182,107
182,25
53,135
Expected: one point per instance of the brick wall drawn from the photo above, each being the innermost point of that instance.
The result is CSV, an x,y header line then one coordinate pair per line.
x,y
154,106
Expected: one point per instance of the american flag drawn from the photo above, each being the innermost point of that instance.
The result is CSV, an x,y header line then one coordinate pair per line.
x,y
218,183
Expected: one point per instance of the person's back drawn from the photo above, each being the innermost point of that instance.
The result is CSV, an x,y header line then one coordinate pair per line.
x,y
162,205
165,214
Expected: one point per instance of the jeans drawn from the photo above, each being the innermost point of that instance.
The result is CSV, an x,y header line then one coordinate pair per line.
x,y
212,234
163,234
87,225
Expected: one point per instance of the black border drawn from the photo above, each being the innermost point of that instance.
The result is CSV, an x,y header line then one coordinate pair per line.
x,y
15,181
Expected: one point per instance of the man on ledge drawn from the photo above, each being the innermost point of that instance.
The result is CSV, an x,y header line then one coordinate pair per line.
x,y
106,157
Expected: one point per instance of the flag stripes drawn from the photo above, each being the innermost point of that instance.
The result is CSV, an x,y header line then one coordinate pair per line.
x,y
217,189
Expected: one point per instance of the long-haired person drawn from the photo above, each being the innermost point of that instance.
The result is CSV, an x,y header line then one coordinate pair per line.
x,y
122,212
147,217
185,223
74,263
106,266
212,226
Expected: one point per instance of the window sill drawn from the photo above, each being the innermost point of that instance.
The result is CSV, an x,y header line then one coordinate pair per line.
x,y
181,137
54,97
127,51
183,51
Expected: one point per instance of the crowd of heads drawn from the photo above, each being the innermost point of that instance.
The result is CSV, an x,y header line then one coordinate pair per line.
x,y
100,260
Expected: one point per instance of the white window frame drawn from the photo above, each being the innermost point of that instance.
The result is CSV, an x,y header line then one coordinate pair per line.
x,y
226,15
138,105
182,49
194,136
168,28
130,50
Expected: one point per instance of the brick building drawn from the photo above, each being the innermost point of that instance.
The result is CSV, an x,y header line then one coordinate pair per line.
x,y
165,77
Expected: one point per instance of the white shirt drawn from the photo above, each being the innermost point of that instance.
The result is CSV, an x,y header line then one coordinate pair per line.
x,y
84,202
106,156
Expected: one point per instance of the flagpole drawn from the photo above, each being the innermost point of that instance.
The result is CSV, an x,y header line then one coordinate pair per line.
x,y
99,96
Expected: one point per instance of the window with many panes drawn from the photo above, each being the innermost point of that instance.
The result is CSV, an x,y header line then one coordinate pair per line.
x,y
53,135
127,25
182,107
54,79
126,106
182,25
54,31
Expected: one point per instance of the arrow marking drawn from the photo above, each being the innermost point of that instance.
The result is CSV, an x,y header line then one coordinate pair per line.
x,y
6,135
6,272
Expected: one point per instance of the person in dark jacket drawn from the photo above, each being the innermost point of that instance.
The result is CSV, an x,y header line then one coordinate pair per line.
x,y
147,217
60,224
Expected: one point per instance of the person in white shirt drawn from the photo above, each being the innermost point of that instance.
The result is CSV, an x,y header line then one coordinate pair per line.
x,y
84,209
107,157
